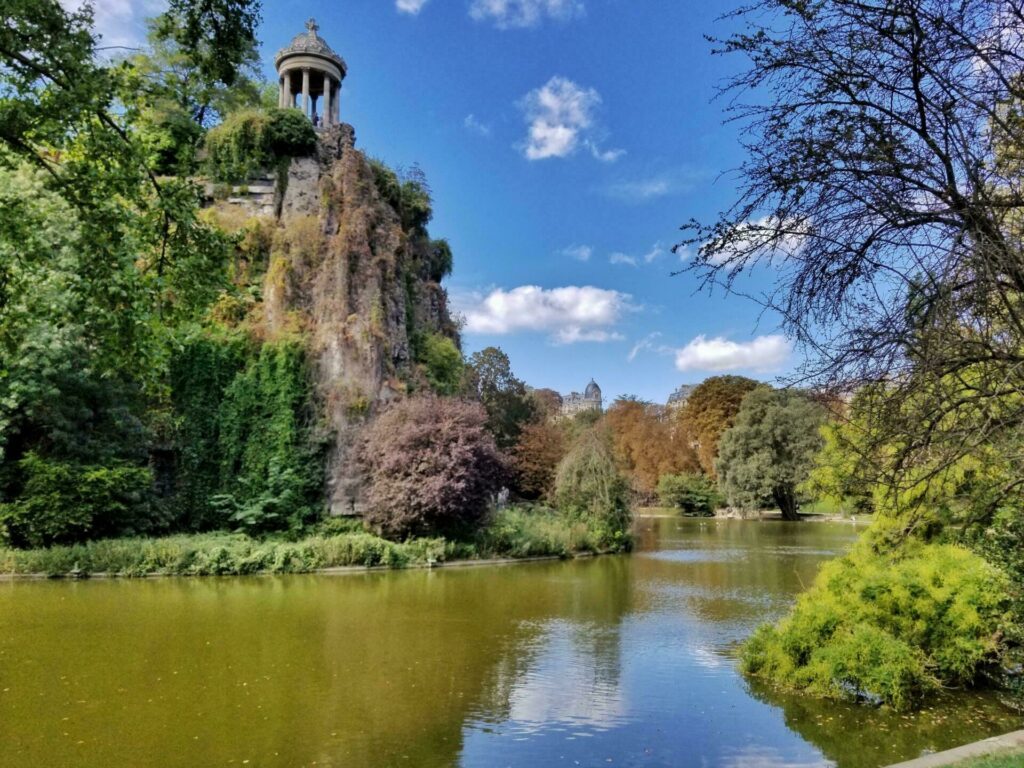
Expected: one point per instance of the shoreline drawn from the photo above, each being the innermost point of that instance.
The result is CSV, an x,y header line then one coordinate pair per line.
x,y
336,570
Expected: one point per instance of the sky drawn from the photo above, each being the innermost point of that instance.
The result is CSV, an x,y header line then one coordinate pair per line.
x,y
565,143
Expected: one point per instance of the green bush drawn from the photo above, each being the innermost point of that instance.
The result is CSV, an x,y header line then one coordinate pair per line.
x,y
442,363
253,140
536,531
271,469
887,628
692,494
588,486
62,502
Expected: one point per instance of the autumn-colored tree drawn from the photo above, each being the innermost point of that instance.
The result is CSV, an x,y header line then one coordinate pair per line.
x,y
430,464
535,458
645,444
709,411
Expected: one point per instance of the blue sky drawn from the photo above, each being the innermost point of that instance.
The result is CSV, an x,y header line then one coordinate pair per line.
x,y
565,142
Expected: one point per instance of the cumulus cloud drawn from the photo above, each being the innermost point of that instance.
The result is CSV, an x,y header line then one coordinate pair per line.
x,y
560,116
473,125
578,252
762,354
517,14
120,23
568,315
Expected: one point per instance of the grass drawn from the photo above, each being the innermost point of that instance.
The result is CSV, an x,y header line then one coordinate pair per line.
x,y
513,532
1010,759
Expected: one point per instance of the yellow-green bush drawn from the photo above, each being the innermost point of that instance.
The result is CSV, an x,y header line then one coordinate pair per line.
x,y
887,628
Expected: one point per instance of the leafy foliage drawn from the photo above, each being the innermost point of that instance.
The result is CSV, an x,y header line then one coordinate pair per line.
x,y
442,363
709,412
409,194
430,464
271,468
251,140
647,444
588,486
769,451
887,627
535,458
490,380
692,494
61,502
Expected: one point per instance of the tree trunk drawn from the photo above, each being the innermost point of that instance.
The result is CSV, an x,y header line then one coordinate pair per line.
x,y
785,498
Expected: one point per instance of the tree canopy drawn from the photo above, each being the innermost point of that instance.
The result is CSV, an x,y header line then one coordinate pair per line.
x,y
770,449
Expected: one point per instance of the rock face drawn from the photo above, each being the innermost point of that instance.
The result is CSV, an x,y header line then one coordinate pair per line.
x,y
348,278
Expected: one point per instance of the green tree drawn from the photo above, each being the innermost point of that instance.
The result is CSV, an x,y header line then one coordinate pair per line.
x,y
490,380
588,485
770,449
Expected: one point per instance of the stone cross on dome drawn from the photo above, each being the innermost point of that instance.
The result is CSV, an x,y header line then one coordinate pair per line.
x,y
312,26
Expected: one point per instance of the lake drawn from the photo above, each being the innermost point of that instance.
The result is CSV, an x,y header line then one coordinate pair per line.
x,y
612,661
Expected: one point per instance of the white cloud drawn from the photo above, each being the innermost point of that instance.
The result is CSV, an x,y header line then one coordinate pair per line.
x,y
605,155
578,252
476,126
646,343
410,6
568,314
752,240
560,114
120,23
517,14
762,354
654,254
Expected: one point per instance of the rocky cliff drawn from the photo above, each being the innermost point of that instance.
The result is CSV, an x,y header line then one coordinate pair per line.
x,y
355,280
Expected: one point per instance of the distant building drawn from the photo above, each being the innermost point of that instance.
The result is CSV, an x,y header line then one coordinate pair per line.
x,y
678,398
574,403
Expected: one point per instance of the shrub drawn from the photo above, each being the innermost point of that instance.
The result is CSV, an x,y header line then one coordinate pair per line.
x,y
536,531
63,502
440,265
887,628
442,363
588,486
430,465
692,494
252,140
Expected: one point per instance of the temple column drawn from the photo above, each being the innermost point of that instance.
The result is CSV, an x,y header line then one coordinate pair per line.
x,y
328,86
289,100
280,92
305,92
336,103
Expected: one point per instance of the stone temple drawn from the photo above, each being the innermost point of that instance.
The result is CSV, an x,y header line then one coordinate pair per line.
x,y
309,77
575,403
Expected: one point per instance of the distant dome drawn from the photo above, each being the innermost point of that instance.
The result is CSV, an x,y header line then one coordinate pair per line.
x,y
592,392
309,43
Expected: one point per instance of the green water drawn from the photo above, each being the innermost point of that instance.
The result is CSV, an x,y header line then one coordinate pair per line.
x,y
621,661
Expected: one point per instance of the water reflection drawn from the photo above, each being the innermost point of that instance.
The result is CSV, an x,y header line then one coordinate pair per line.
x,y
621,659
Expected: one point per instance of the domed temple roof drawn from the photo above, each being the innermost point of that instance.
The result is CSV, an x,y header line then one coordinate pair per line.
x,y
309,43
592,391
